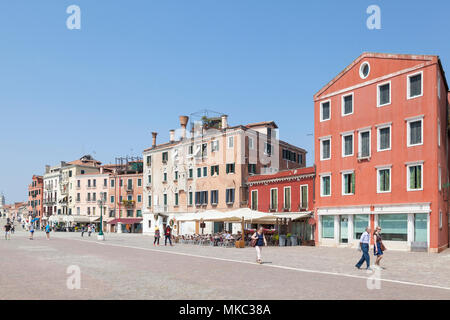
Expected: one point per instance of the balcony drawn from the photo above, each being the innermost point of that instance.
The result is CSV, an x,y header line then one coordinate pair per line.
x,y
128,203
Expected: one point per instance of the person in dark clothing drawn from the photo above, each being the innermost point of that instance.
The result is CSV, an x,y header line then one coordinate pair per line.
x,y
7,228
168,235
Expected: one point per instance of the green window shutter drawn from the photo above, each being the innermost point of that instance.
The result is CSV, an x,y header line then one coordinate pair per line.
x,y
412,177
419,177
353,183
387,180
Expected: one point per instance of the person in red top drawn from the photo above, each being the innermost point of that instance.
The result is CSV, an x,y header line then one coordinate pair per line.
x,y
168,235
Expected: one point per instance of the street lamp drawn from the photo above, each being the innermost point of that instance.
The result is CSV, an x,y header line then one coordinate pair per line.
x,y
100,234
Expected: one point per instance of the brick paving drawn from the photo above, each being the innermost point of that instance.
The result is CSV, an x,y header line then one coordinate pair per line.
x,y
128,266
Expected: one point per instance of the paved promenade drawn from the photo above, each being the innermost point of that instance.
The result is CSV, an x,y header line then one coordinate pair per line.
x,y
128,266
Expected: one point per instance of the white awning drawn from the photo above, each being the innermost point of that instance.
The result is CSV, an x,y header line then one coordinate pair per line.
x,y
230,216
78,219
56,218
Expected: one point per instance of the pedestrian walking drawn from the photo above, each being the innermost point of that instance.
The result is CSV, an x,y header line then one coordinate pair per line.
x,y
157,236
168,235
7,228
89,230
31,229
364,242
259,241
378,246
83,230
47,231
13,228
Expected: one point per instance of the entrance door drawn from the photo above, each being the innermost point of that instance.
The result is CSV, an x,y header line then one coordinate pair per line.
x,y
343,229
420,232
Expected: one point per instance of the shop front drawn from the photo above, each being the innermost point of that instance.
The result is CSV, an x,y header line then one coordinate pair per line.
x,y
404,227
126,225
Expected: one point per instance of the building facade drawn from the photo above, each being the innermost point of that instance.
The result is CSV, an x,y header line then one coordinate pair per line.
x,y
381,141
35,199
124,203
289,194
209,169
89,189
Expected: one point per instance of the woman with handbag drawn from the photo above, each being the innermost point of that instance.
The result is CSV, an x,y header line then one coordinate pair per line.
x,y
378,247
258,241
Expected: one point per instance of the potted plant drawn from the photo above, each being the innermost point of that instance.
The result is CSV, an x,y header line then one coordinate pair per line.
x,y
288,239
275,239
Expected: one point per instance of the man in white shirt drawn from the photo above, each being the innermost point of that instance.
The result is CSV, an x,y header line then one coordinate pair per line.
x,y
364,243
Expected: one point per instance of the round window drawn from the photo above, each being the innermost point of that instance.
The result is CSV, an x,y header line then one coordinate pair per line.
x,y
364,70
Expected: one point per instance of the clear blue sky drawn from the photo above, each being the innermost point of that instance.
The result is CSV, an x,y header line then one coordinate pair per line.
x,y
136,65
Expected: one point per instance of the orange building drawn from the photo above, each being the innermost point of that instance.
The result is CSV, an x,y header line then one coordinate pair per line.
x,y
35,196
382,153
125,200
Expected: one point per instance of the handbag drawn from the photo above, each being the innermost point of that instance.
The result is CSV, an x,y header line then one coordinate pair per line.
x,y
253,242
382,247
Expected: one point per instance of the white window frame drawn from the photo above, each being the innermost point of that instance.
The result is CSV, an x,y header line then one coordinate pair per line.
x,y
408,137
301,196
251,200
439,132
321,185
439,86
251,144
343,173
379,168
408,97
230,145
359,142
439,178
440,220
214,145
408,175
378,94
379,127
342,104
284,198
321,113
321,148
343,135
361,68
270,203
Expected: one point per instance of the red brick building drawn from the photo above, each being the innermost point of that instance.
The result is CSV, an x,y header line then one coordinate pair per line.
x,y
382,153
288,193
35,197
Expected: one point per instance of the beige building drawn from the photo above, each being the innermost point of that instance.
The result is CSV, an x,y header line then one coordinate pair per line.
x,y
208,170
67,186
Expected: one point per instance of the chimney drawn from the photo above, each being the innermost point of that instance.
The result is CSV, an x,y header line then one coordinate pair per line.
x,y
183,123
154,134
47,169
172,135
224,121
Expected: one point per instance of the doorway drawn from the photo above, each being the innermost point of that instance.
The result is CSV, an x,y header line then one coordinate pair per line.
x,y
343,229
